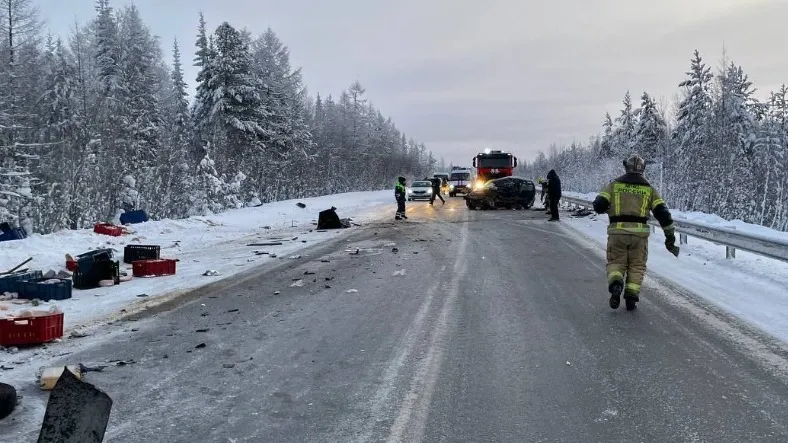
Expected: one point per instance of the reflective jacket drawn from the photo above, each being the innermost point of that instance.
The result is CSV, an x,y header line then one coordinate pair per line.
x,y
399,191
628,201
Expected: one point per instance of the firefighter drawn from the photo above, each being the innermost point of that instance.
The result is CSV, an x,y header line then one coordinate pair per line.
x,y
627,201
436,190
400,194
553,193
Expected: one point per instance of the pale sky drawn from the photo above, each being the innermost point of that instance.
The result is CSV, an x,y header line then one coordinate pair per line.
x,y
465,75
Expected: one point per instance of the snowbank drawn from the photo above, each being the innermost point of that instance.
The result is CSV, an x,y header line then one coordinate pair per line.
x,y
752,287
217,242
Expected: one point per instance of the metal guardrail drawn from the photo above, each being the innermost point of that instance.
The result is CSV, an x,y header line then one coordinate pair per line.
x,y
730,238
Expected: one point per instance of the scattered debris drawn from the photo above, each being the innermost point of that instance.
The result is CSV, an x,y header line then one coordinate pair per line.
x,y
202,330
78,334
328,286
123,362
352,291
200,346
84,368
400,272
325,261
301,205
275,243
277,292
295,257
297,284
142,295
356,252
228,365
204,314
394,250
232,310
211,273
309,273
5,368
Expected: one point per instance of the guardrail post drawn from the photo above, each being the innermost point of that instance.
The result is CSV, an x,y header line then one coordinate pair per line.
x,y
730,252
682,239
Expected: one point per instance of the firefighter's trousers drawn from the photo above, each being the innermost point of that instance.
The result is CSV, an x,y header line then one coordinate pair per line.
x,y
627,255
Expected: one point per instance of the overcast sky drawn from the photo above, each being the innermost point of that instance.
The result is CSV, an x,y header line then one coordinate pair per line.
x,y
464,75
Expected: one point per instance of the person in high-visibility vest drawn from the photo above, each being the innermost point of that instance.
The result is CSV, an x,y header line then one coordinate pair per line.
x,y
400,194
627,201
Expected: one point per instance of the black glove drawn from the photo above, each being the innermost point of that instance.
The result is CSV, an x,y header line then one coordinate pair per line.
x,y
670,243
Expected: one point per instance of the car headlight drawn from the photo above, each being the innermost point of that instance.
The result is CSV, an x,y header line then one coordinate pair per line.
x,y
477,186
410,191
451,186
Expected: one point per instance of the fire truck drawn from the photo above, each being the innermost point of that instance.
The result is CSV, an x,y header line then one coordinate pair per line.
x,y
493,164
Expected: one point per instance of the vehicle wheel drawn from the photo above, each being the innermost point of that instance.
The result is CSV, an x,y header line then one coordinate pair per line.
x,y
7,400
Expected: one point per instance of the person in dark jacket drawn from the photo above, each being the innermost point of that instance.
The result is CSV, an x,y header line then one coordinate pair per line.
x,y
553,193
400,193
436,190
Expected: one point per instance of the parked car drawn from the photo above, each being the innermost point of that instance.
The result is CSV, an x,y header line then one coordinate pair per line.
x,y
420,190
506,192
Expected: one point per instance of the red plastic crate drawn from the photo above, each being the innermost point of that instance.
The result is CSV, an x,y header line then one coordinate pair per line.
x,y
153,268
31,330
71,265
108,229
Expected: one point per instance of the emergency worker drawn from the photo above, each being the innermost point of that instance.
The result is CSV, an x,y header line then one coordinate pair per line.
x,y
400,194
628,201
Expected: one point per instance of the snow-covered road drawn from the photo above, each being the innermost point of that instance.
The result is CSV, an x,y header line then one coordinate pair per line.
x,y
455,325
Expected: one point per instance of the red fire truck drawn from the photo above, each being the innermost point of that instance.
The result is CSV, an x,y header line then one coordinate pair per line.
x,y
493,164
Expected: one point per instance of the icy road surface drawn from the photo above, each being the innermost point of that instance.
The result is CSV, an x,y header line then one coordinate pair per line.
x,y
480,326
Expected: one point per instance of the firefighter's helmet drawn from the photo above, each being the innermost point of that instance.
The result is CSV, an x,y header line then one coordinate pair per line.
x,y
635,164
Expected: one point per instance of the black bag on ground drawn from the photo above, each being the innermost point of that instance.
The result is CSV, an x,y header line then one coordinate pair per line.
x,y
329,219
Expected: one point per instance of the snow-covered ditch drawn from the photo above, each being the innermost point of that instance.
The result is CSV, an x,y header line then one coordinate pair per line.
x,y
216,243
752,287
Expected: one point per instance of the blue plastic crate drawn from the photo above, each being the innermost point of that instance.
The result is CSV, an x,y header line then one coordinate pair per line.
x,y
13,234
10,283
45,291
133,217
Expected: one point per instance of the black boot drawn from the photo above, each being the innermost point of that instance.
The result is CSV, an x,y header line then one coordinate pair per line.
x,y
631,301
615,289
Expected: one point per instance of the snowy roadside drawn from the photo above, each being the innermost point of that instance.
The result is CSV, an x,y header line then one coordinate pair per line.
x,y
751,287
218,242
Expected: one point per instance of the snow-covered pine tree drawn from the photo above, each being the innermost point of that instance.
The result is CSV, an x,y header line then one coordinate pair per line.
x,y
228,108
624,133
20,148
733,160
651,130
608,140
691,136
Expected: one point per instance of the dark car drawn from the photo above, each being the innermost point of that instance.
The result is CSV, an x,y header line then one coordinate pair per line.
x,y
506,192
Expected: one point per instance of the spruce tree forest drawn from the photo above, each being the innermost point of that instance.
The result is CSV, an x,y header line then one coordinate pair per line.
x,y
720,150
97,122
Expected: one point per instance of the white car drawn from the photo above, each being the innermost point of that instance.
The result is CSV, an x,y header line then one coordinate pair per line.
x,y
420,190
